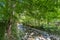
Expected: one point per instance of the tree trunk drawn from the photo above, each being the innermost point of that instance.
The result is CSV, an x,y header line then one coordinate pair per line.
x,y
10,13
9,29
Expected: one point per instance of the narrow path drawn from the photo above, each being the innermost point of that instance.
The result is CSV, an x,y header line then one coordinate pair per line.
x,y
35,34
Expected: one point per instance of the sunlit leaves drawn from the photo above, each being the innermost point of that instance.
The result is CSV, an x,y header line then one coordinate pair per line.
x,y
34,10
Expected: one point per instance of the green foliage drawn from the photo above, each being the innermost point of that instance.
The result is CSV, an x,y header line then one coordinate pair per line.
x,y
2,30
21,35
34,11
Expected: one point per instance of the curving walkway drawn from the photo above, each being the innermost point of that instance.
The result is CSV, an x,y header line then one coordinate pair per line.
x,y
35,34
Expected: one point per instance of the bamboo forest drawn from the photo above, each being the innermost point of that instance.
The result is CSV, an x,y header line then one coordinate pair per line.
x,y
29,19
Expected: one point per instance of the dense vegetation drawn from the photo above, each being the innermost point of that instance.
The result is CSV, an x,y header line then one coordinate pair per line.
x,y
40,14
